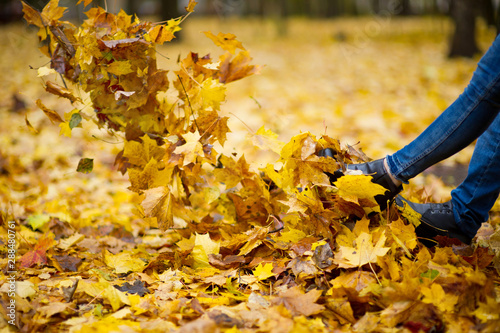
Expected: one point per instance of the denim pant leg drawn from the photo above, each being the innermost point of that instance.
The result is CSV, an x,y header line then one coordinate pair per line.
x,y
475,196
459,125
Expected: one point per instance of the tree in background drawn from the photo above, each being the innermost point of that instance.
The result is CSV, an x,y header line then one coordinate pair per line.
x,y
463,43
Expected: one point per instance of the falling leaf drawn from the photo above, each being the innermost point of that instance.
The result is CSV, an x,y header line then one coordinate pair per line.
x,y
58,90
355,187
44,71
266,139
53,116
31,128
164,33
120,67
76,119
158,203
85,2
236,69
85,165
190,6
226,41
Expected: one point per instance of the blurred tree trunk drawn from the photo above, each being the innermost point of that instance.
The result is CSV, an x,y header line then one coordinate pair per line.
x,y
168,10
405,8
277,11
463,43
132,7
488,12
497,23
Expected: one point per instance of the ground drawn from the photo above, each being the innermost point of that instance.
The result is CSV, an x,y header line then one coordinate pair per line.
x,y
371,83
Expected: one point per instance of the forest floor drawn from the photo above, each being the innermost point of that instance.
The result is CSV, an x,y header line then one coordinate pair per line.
x,y
372,83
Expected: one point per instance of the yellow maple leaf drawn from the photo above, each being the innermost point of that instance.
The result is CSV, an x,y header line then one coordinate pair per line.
x,y
436,295
120,67
267,139
124,262
65,129
203,246
190,7
354,187
363,253
162,33
227,42
141,154
410,214
191,149
404,234
213,93
106,291
263,272
158,203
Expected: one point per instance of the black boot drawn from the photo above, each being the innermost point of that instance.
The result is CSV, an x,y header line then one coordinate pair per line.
x,y
437,220
378,173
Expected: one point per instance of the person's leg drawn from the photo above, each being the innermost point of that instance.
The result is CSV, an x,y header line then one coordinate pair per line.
x,y
458,126
475,196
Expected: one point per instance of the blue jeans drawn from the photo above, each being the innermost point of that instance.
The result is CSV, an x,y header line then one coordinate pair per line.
x,y
474,115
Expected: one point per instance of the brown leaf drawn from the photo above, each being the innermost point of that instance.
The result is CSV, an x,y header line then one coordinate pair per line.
x,y
238,68
53,116
481,258
230,261
58,90
67,263
299,303
303,245
32,16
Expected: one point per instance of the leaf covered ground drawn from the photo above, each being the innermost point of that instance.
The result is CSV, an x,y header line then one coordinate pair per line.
x,y
197,249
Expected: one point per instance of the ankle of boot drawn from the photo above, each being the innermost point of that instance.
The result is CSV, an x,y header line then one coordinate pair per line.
x,y
396,182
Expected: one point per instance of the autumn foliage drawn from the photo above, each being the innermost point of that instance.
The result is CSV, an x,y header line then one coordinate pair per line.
x,y
273,250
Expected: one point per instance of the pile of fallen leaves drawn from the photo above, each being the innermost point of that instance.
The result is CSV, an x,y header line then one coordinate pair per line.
x,y
213,245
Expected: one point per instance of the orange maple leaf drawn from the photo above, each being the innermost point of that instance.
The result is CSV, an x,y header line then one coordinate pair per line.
x,y
38,256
